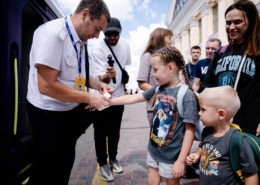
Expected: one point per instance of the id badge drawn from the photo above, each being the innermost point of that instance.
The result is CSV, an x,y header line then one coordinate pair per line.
x,y
80,84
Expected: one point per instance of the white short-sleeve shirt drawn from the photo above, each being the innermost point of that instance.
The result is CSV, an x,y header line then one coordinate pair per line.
x,y
52,47
99,62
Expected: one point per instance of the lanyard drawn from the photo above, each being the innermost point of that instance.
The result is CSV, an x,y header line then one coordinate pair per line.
x,y
74,45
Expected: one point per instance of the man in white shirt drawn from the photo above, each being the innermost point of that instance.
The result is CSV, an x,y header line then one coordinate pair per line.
x,y
107,122
57,96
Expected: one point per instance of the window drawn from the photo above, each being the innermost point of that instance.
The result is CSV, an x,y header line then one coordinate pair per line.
x,y
215,19
179,4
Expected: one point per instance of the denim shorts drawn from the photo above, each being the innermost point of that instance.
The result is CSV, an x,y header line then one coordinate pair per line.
x,y
165,170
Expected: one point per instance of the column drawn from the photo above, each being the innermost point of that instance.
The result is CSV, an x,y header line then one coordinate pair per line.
x,y
206,26
185,43
177,41
194,31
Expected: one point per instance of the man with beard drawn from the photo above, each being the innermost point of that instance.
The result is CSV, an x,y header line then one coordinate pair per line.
x,y
107,122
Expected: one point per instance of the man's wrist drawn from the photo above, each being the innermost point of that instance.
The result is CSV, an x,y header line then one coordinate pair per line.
x,y
104,78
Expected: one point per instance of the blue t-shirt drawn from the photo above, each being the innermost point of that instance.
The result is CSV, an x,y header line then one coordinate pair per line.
x,y
167,129
201,70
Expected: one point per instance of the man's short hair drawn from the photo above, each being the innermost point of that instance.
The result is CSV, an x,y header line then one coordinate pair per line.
x,y
96,9
223,97
195,47
215,40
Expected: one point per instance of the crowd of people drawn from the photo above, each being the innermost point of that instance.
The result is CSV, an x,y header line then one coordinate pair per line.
x,y
218,90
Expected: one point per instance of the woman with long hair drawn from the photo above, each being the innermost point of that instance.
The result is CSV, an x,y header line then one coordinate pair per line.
x,y
159,38
238,64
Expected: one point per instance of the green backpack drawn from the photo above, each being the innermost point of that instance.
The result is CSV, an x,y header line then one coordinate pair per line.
x,y
234,148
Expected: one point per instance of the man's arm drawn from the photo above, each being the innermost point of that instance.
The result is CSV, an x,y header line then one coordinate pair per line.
x,y
110,73
98,85
196,84
49,85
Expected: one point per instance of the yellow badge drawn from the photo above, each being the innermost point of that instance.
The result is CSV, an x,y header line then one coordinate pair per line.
x,y
80,84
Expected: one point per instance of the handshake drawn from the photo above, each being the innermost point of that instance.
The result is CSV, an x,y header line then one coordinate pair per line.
x,y
106,94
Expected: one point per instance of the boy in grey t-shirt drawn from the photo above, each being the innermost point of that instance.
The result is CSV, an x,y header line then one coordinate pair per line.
x,y
218,106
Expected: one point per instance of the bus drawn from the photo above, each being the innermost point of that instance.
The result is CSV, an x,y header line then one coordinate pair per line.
x,y
19,19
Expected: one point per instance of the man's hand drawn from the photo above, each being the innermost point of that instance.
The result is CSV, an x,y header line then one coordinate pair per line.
x,y
111,72
106,88
97,101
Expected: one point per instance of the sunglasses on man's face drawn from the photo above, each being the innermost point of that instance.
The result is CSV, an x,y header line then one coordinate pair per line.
x,y
110,33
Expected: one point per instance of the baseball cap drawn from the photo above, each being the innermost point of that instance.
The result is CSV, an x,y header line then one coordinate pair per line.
x,y
114,25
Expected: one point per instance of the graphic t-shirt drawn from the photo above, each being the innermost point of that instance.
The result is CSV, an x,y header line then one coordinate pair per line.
x,y
223,70
214,162
201,70
167,129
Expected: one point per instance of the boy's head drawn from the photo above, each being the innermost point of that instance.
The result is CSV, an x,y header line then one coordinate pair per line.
x,y
217,104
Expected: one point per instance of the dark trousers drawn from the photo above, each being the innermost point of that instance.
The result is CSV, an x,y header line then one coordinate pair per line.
x,y
107,123
55,135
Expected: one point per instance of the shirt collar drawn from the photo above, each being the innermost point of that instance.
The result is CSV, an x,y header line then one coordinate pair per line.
x,y
73,31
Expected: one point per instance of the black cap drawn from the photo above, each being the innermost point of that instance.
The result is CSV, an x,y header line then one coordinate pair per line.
x,y
114,25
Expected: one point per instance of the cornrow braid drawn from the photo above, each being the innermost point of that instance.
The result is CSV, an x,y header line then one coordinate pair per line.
x,y
187,81
172,54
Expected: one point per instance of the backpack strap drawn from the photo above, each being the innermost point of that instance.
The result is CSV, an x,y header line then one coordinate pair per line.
x,y
180,96
157,88
222,50
234,154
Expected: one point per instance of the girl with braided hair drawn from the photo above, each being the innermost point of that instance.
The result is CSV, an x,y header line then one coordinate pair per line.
x,y
166,155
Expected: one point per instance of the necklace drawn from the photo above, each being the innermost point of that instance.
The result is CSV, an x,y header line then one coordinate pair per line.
x,y
177,83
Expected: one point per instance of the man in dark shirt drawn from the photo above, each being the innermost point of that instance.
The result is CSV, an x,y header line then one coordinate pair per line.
x,y
202,66
195,53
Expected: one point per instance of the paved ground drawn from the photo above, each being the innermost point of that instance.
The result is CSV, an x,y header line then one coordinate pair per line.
x,y
131,153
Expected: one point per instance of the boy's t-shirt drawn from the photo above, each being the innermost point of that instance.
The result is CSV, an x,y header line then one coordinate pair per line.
x,y
214,162
167,130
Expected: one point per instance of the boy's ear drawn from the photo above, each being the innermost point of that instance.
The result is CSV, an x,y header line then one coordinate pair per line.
x,y
221,114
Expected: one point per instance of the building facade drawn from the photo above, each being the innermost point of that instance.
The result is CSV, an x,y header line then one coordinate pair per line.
x,y
193,22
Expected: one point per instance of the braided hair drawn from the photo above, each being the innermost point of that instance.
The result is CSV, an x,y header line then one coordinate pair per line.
x,y
171,54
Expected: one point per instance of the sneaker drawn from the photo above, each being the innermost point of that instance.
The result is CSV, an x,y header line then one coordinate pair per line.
x,y
106,173
117,168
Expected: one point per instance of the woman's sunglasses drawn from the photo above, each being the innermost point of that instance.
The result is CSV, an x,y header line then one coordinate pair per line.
x,y
110,33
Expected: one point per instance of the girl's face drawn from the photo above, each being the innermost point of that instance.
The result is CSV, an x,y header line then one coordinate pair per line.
x,y
236,25
161,71
167,40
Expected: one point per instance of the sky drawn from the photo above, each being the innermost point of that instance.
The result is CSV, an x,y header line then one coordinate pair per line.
x,y
138,19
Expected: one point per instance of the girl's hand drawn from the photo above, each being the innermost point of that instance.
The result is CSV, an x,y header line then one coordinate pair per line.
x,y
178,169
192,158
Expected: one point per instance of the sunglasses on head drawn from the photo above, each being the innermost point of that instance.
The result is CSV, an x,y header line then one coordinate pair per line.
x,y
110,33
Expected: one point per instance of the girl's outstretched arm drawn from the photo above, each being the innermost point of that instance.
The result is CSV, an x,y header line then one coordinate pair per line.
x,y
127,99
